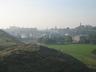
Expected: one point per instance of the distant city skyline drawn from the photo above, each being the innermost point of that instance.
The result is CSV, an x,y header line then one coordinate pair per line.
x,y
44,14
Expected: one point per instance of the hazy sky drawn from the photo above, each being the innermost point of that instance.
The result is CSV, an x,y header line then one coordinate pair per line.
x,y
47,13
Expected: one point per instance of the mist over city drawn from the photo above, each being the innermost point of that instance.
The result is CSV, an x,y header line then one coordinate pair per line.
x,y
47,35
47,14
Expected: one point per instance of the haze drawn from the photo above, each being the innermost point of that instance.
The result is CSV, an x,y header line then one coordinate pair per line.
x,y
47,13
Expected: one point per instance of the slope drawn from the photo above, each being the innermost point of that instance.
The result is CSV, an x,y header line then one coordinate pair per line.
x,y
36,58
7,40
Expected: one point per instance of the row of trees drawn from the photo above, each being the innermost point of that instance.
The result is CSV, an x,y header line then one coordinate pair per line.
x,y
89,39
56,40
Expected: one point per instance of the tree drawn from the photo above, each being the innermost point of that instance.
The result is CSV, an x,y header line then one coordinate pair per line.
x,y
68,39
92,38
84,39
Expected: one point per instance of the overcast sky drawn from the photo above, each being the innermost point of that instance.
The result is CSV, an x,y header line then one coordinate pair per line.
x,y
47,13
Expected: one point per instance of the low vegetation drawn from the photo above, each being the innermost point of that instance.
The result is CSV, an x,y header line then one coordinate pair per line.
x,y
82,52
24,58
94,51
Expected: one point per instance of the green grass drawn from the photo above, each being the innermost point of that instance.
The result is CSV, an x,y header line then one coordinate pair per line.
x,y
80,51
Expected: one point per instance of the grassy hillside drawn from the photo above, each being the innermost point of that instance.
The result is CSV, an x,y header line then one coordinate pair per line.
x,y
82,52
34,58
7,40
94,52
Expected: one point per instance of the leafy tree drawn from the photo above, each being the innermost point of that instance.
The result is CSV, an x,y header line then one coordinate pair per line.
x,y
92,38
84,39
68,39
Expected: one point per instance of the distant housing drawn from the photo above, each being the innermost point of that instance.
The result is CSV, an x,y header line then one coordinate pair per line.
x,y
76,39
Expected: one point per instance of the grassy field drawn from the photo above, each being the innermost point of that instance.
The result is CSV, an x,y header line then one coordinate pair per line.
x,y
80,51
